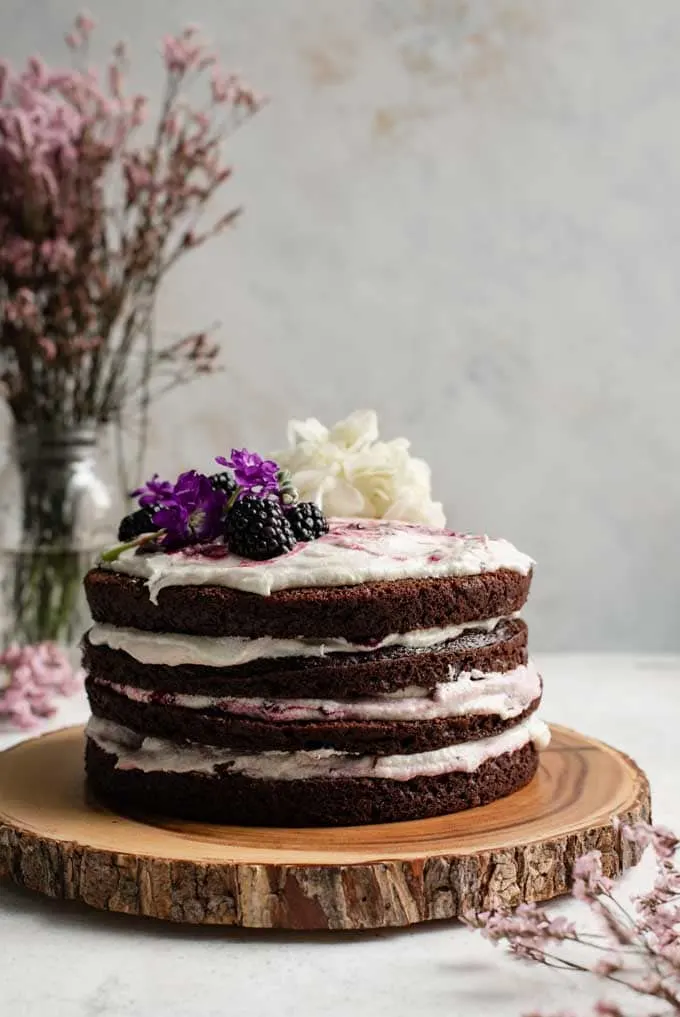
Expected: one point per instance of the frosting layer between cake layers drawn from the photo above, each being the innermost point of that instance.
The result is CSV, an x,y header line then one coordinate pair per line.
x,y
136,752
374,700
471,693
174,648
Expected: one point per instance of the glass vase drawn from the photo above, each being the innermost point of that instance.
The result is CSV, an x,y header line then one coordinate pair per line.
x,y
57,511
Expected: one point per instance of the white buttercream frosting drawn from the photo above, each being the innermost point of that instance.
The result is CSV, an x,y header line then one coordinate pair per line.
x,y
155,754
471,693
173,649
354,552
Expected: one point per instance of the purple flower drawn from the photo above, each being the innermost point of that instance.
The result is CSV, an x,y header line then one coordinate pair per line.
x,y
253,474
154,492
191,512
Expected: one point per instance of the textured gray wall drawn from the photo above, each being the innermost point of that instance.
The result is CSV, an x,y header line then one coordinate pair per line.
x,y
464,214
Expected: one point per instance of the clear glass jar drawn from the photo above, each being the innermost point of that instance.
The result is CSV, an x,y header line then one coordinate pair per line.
x,y
57,511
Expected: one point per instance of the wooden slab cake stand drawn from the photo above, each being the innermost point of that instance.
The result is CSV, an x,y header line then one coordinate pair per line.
x,y
519,849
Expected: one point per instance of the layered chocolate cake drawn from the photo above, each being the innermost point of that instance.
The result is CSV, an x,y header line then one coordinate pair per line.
x,y
270,668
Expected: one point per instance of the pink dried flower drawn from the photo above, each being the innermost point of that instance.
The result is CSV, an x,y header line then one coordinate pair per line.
x,y
649,985
527,926
663,841
36,676
48,347
115,80
219,86
607,966
57,254
36,76
22,311
139,110
171,125
138,177
81,344
16,254
85,24
589,879
642,953
589,868
178,54
85,203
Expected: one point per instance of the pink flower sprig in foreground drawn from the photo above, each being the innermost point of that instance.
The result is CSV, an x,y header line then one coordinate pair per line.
x,y
639,952
31,678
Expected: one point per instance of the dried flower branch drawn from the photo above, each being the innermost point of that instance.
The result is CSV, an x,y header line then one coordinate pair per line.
x,y
93,217
639,952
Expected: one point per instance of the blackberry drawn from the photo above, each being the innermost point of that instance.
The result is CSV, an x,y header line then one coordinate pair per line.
x,y
257,528
135,524
307,521
223,482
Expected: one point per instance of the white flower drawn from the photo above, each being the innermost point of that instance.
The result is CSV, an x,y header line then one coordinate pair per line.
x,y
349,472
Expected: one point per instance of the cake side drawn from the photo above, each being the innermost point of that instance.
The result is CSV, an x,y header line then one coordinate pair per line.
x,y
475,684
220,728
180,664
238,799
360,614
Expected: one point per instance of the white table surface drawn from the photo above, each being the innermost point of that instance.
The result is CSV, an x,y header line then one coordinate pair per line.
x,y
64,960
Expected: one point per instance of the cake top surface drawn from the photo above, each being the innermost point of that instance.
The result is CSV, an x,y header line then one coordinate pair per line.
x,y
262,525
354,551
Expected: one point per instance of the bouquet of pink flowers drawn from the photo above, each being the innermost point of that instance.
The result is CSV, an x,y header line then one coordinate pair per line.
x,y
94,212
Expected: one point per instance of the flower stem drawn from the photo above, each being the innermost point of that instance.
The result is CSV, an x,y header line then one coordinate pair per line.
x,y
232,501
115,552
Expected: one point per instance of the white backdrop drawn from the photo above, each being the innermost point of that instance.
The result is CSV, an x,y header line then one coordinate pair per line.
x,y
465,214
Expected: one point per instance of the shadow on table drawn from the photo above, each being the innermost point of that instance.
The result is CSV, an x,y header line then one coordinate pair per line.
x,y
19,901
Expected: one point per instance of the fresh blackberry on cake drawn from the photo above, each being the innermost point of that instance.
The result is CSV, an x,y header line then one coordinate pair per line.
x,y
223,482
257,528
136,524
307,521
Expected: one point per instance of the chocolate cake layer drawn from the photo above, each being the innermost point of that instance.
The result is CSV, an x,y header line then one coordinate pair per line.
x,y
335,676
364,613
214,727
236,799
